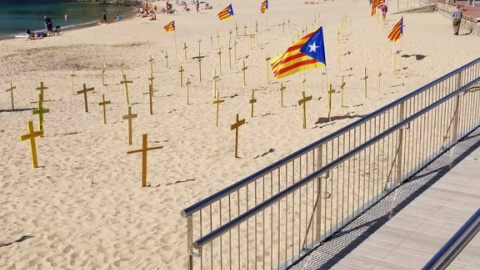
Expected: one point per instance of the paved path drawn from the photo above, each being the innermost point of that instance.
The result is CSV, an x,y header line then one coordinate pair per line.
x,y
428,210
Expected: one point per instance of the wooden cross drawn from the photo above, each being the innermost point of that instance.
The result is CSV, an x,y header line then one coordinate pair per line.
x,y
244,68
151,78
103,75
73,75
245,32
251,41
11,94
230,38
151,65
31,135
200,68
181,70
166,59
84,91
252,101
230,55
235,126
185,50
303,102
365,78
42,89
122,65
217,102
215,78
150,94
236,30
126,82
199,41
104,103
342,86
188,90
129,118
235,51
144,157
282,88
379,80
256,26
268,69
218,38
220,59
40,111
330,92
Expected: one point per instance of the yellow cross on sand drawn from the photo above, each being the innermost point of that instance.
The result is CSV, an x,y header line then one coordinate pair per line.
x,y
122,65
84,91
11,94
42,89
40,111
268,69
144,151
150,95
151,65
220,59
252,101
218,38
365,78
244,68
151,78
379,80
303,102
230,55
236,30
330,92
200,67
256,26
126,82
188,90
73,75
31,135
166,59
181,70
129,117
235,126
103,74
235,51
199,41
342,86
230,39
245,32
217,102
104,103
215,78
282,88
185,50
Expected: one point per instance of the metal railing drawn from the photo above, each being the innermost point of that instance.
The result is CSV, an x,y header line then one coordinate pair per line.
x,y
269,219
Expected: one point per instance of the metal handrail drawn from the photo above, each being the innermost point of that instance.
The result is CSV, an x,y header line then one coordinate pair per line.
x,y
241,218
220,194
459,240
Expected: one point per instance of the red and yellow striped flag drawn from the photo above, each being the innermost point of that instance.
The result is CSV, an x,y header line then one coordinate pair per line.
x,y
264,6
226,13
306,53
397,31
170,27
375,4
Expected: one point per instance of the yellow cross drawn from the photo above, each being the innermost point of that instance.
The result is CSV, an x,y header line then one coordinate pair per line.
x,y
256,26
342,86
252,101
268,69
230,55
235,126
235,51
217,102
244,68
104,103
236,30
11,94
122,65
40,111
103,74
126,82
245,27
188,90
185,50
129,118
379,80
166,59
282,88
181,70
230,39
84,91
365,78
215,78
330,92
42,88
151,65
218,38
303,102
31,135
150,94
144,151
199,41
220,59
200,68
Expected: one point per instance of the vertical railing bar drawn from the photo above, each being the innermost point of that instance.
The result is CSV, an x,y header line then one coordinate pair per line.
x,y
221,240
255,203
278,224
230,232
238,214
211,243
190,241
263,223
201,235
300,209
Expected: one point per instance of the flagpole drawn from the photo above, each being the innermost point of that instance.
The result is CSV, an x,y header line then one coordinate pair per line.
x,y
176,52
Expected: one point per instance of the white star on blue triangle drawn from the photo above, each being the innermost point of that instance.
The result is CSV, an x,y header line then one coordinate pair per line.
x,y
315,47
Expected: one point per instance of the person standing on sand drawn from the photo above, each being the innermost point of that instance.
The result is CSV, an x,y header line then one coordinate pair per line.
x,y
104,16
198,6
457,19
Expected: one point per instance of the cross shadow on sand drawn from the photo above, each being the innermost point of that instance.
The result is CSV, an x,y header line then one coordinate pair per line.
x,y
17,110
418,57
21,239
323,120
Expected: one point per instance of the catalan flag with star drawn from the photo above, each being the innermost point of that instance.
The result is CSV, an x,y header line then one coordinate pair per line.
x,y
304,54
226,13
397,31
374,5
264,6
170,27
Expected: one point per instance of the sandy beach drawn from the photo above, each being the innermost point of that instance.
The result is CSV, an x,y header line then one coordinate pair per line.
x,y
84,207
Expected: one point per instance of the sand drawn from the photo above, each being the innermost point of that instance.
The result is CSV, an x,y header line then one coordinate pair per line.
x,y
84,208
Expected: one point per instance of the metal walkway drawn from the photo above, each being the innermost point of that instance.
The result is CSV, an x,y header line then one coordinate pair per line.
x,y
427,211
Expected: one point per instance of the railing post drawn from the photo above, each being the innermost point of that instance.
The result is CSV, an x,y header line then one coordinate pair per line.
x,y
457,110
318,232
190,242
400,145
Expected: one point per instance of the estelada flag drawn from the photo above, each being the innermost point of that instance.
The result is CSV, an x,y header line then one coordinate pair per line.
x,y
375,4
264,6
306,53
170,27
397,31
226,13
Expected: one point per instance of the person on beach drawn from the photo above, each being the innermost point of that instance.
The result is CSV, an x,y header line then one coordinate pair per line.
x,y
48,25
198,6
457,19
66,17
104,16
